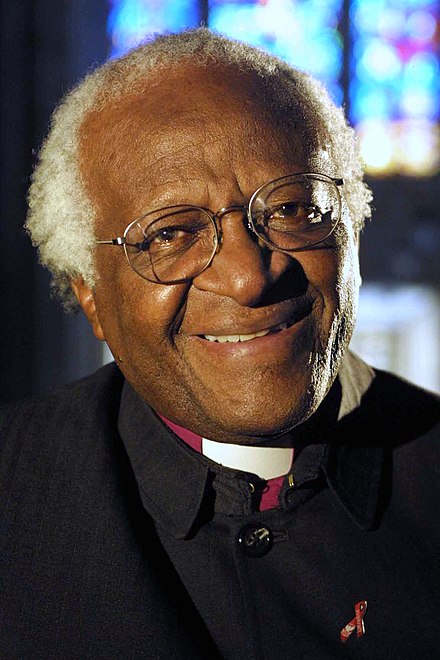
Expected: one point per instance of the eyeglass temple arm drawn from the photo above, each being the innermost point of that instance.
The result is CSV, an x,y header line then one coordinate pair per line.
x,y
119,240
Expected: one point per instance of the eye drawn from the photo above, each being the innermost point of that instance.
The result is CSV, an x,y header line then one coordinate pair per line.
x,y
295,210
163,237
294,213
168,235
170,239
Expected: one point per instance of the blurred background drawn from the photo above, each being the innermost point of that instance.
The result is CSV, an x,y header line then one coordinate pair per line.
x,y
381,61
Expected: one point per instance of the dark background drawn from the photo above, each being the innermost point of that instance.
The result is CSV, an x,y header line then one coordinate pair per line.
x,y
46,46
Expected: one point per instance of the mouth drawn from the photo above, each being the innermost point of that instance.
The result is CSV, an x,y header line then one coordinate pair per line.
x,y
261,342
233,339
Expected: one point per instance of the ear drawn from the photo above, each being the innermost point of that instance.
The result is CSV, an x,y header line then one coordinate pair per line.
x,y
86,298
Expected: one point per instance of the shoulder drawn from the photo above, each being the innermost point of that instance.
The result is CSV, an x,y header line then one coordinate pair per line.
x,y
394,431
406,411
404,420
398,417
82,399
408,426
64,425
391,408
63,467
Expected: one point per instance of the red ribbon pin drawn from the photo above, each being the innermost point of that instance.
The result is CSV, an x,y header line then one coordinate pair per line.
x,y
357,623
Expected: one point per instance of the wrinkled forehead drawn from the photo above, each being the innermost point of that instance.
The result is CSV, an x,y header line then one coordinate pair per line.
x,y
191,118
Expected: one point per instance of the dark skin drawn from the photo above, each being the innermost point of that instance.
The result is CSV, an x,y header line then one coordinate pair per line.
x,y
213,148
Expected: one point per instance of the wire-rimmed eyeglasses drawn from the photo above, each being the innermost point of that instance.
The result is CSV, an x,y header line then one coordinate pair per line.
x,y
177,243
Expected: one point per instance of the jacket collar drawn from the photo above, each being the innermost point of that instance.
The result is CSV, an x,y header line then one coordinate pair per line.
x,y
170,476
173,479
353,464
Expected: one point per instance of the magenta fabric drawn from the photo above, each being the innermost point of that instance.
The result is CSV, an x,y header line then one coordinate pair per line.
x,y
191,439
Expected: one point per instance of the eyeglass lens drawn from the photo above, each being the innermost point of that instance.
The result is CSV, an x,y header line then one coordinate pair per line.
x,y
294,213
171,244
177,243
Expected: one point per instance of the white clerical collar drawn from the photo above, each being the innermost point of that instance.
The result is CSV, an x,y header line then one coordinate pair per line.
x,y
266,462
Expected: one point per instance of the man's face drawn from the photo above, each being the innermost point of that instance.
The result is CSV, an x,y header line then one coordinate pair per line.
x,y
200,137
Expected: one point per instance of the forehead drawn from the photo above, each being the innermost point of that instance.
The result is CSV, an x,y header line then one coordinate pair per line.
x,y
191,123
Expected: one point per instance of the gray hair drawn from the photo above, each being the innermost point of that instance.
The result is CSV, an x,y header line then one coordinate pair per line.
x,y
61,215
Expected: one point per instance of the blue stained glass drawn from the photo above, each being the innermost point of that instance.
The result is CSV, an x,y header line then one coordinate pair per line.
x,y
423,70
415,4
419,104
131,21
303,33
365,14
380,61
373,103
395,80
395,76
391,23
421,25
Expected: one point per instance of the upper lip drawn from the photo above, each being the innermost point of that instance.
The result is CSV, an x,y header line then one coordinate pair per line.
x,y
228,327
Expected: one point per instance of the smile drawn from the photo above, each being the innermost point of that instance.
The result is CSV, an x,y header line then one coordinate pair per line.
x,y
240,338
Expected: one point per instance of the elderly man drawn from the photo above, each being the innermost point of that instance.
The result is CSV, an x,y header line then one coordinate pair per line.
x,y
237,484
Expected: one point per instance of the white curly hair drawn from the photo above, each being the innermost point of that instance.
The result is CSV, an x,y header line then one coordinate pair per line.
x,y
61,216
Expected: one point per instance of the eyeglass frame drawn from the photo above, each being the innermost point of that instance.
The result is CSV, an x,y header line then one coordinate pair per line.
x,y
215,220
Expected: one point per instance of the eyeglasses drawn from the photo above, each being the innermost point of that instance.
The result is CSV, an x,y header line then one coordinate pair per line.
x,y
177,243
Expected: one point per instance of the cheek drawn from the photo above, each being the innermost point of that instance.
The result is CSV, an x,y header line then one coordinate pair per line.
x,y
137,316
334,277
348,275
323,270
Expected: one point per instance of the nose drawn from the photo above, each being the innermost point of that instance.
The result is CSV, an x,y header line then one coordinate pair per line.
x,y
243,268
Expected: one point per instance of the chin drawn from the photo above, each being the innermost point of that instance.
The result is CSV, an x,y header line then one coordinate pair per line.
x,y
251,419
280,415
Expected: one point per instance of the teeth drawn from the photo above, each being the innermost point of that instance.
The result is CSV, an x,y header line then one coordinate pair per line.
x,y
236,338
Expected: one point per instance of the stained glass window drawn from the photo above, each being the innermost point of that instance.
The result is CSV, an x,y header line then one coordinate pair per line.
x,y
393,97
130,21
395,84
302,32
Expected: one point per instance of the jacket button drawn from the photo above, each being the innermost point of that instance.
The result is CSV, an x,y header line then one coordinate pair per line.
x,y
255,541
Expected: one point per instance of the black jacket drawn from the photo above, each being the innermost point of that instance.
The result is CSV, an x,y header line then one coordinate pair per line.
x,y
118,542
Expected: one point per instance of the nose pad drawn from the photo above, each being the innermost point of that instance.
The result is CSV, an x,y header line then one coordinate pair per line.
x,y
217,217
247,224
